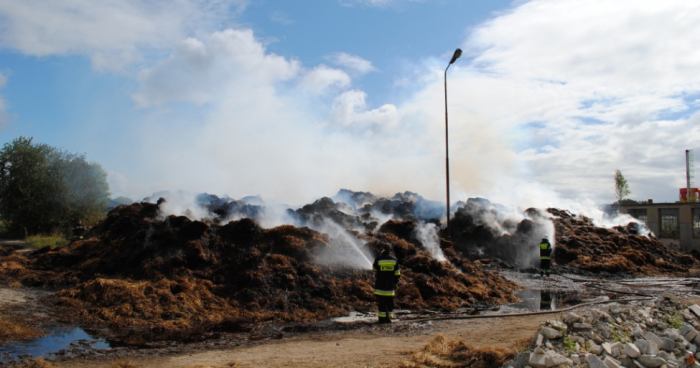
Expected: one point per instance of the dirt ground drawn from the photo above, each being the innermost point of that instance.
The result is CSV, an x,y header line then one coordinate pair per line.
x,y
18,319
375,348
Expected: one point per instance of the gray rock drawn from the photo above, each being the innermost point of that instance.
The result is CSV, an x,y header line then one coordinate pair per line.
x,y
594,348
607,348
582,326
520,360
667,356
627,362
667,344
553,359
571,317
537,360
539,340
550,333
548,359
652,337
611,362
695,309
687,315
631,350
651,361
575,358
688,332
594,362
617,349
644,346
637,331
556,324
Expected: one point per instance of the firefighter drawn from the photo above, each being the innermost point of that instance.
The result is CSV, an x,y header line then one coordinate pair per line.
x,y
78,231
545,256
387,274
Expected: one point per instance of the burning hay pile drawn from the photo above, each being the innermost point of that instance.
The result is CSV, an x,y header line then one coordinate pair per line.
x,y
621,249
146,277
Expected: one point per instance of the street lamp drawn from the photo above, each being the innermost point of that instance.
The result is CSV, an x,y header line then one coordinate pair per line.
x,y
455,56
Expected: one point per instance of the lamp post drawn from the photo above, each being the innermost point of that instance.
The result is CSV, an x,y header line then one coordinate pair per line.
x,y
455,56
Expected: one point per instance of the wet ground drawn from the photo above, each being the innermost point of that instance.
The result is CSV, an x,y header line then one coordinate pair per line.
x,y
63,342
538,294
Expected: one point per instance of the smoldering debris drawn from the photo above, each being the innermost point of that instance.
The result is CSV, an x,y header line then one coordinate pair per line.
x,y
147,277
620,249
482,229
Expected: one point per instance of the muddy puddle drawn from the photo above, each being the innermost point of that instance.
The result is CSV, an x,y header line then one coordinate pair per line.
x,y
64,342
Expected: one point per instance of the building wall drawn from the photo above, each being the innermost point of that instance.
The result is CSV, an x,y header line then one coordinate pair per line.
x,y
686,239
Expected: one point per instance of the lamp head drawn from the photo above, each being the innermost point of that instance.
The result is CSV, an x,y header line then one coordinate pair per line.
x,y
456,55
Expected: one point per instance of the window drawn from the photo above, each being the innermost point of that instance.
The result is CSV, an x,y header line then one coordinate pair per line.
x,y
669,228
696,222
639,213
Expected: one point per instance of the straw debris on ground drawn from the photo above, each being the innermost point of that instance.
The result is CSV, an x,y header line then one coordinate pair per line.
x,y
146,278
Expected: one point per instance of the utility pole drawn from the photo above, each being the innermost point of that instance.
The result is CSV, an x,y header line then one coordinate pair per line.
x,y
455,56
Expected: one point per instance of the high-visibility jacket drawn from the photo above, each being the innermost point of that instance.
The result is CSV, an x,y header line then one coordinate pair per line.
x,y
387,273
545,250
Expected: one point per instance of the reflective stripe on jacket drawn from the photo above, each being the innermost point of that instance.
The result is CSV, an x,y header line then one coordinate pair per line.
x,y
387,275
545,250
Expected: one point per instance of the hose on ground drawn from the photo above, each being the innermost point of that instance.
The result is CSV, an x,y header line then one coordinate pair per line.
x,y
522,314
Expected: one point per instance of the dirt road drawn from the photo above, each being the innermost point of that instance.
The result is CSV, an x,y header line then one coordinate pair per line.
x,y
376,347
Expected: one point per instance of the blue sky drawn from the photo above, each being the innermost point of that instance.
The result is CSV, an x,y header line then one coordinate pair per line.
x,y
295,99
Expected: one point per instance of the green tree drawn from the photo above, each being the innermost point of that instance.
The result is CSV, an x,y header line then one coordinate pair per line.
x,y
43,189
622,189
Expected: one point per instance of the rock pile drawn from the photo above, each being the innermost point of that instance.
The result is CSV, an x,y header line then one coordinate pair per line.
x,y
641,334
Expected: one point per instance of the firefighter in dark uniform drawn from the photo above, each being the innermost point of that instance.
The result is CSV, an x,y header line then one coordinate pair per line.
x,y
545,256
78,231
387,274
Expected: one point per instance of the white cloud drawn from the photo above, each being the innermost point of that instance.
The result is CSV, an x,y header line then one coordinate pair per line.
x,y
113,33
201,71
261,131
550,98
556,98
322,78
352,62
599,79
350,108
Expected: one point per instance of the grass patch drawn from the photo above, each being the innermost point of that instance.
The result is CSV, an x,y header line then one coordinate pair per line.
x,y
675,320
569,344
40,241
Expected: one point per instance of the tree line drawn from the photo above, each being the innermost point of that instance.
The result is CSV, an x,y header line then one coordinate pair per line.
x,y
47,190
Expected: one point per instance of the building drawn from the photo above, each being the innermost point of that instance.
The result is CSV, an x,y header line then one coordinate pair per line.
x,y
671,222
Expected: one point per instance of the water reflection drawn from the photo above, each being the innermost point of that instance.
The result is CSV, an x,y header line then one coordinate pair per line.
x,y
546,301
57,340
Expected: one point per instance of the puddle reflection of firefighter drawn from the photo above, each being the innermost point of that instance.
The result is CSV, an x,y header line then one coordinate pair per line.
x,y
545,300
545,256
387,273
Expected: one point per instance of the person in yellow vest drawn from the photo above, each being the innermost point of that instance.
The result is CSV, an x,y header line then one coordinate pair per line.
x,y
387,274
545,256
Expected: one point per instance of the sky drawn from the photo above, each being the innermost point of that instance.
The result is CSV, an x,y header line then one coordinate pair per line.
x,y
292,100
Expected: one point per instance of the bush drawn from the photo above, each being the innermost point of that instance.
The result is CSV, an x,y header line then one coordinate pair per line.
x,y
45,190
40,241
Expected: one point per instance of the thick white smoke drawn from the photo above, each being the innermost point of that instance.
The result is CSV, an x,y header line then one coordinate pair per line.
x,y
427,234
